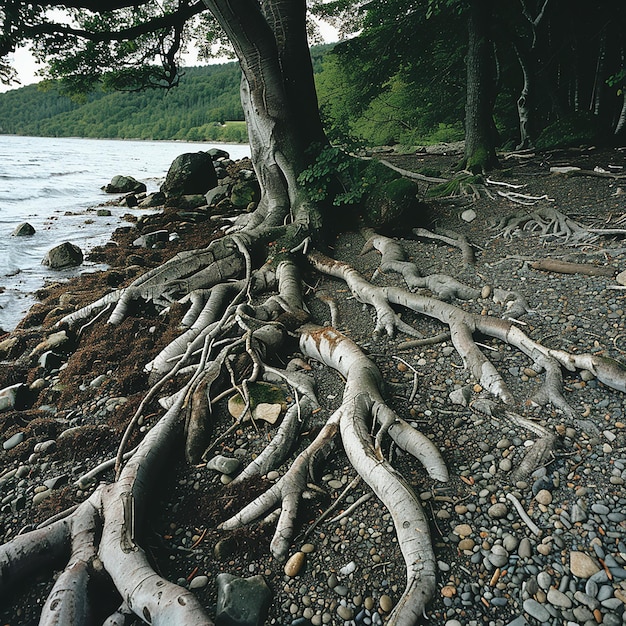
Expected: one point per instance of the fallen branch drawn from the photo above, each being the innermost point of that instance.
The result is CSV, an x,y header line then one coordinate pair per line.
x,y
565,267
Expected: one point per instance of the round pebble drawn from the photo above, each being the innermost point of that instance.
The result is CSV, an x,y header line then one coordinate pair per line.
x,y
294,564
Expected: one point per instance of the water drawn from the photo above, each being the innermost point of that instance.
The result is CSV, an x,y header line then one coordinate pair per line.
x,y
54,185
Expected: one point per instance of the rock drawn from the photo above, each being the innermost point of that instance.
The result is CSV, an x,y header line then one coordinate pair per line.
x,y
124,184
154,199
497,510
241,601
621,278
558,598
10,397
64,255
385,603
469,215
213,196
461,396
534,609
105,212
190,173
149,240
218,153
267,402
244,192
52,341
294,564
13,441
582,565
462,530
544,497
498,555
23,230
50,360
345,612
223,464
198,582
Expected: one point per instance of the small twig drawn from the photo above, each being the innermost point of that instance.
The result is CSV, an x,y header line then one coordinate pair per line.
x,y
353,483
503,184
352,507
415,381
522,513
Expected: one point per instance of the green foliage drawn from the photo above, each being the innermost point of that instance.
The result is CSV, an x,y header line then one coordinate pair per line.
x,y
330,167
197,110
569,131
400,82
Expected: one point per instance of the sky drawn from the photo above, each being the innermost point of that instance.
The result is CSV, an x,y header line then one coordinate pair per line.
x,y
26,65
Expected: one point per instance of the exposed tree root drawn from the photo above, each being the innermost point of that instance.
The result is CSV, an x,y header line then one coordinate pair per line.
x,y
228,341
549,222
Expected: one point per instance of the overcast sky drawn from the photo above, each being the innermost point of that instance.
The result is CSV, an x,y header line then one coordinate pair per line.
x,y
26,66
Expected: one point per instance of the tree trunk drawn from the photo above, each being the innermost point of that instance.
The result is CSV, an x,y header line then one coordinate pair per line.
x,y
524,102
279,101
480,154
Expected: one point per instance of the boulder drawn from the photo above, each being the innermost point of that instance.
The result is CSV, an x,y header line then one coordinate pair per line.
x,y
244,192
149,240
190,173
242,601
213,196
64,255
218,153
154,199
124,184
23,230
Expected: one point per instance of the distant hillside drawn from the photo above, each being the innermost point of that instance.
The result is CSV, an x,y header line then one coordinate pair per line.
x,y
206,97
205,106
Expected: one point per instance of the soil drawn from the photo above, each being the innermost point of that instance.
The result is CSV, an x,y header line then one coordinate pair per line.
x,y
85,404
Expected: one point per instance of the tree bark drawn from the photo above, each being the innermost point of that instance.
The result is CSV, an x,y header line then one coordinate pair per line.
x,y
480,154
279,101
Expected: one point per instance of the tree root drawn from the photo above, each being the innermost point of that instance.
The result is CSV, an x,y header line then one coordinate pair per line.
x,y
228,340
549,222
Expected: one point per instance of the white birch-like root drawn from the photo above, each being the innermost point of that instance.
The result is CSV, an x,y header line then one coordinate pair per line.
x,y
463,324
287,492
393,260
452,239
361,396
68,602
151,597
30,552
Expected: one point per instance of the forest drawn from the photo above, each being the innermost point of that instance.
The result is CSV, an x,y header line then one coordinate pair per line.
x,y
401,81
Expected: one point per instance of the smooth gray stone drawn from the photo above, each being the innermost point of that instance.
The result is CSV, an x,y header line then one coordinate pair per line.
x,y
223,464
242,601
13,441
534,609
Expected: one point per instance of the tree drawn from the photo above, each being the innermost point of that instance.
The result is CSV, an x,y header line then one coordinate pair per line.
x,y
230,337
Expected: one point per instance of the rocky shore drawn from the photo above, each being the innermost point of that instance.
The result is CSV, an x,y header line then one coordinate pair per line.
x,y
546,549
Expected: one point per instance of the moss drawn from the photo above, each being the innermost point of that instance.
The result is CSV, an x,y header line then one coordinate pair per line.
x,y
392,205
567,132
454,187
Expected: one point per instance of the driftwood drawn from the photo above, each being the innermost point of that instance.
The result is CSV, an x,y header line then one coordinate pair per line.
x,y
565,267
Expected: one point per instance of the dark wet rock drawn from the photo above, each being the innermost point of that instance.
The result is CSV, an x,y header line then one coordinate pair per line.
x,y
23,230
124,184
213,196
65,255
241,601
190,173
154,199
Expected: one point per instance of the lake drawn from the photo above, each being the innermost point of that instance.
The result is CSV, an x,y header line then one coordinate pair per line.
x,y
54,184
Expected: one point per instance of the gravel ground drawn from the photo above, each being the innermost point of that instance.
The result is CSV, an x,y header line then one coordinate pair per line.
x,y
494,568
